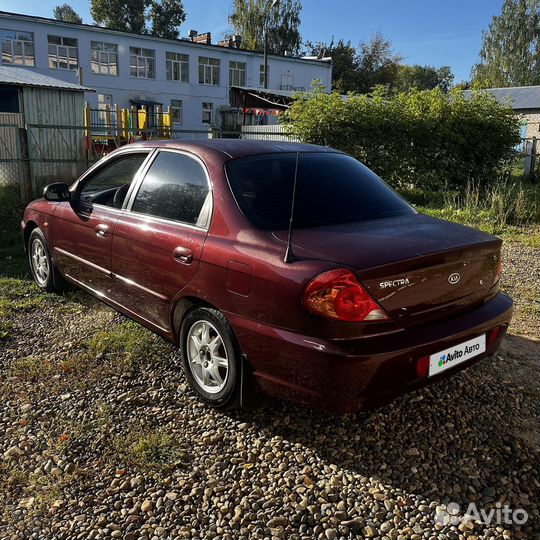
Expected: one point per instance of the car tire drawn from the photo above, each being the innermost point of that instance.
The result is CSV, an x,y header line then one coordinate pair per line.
x,y
211,357
42,267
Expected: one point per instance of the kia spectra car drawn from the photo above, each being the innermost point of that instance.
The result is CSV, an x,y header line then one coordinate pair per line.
x,y
278,268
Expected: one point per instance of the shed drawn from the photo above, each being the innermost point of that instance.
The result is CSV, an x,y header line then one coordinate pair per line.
x,y
41,129
39,99
524,100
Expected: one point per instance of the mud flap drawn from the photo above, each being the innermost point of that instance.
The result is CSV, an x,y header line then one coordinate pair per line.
x,y
250,399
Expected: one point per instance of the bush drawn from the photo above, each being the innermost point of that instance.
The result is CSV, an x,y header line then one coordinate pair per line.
x,y
420,138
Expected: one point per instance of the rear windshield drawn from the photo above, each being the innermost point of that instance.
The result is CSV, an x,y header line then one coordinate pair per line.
x,y
331,189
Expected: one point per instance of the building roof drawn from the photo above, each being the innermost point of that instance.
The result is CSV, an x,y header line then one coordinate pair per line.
x,y
183,41
17,76
519,97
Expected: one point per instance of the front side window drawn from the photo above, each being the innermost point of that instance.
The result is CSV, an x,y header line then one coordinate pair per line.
x,y
141,63
102,186
237,73
62,52
17,47
177,66
331,188
175,187
208,70
104,58
176,111
207,113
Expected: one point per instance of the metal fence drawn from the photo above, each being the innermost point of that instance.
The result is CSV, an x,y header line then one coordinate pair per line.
x,y
36,155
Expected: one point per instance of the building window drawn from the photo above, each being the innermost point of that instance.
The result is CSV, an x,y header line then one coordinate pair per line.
x,y
237,73
208,70
176,111
287,82
17,47
177,66
141,63
104,58
207,113
62,52
261,76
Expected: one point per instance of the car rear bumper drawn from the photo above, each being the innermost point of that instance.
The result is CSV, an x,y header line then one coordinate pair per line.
x,y
358,374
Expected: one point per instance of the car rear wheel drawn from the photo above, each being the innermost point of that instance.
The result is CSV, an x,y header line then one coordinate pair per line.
x,y
42,266
211,357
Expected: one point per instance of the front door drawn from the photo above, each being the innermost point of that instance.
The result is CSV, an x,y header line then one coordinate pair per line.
x,y
159,239
83,227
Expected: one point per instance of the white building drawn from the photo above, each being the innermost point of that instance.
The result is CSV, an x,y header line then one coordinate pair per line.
x,y
191,77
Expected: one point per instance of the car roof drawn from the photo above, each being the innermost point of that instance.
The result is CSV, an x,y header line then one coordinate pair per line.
x,y
234,148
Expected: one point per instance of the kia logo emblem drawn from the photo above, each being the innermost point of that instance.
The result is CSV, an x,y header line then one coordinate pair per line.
x,y
453,278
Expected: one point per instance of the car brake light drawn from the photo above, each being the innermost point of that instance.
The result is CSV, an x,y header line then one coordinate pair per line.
x,y
336,294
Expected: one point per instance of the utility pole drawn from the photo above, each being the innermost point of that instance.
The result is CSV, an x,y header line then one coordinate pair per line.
x,y
274,4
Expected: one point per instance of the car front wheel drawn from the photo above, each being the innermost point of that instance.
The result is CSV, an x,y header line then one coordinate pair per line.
x,y
211,357
42,266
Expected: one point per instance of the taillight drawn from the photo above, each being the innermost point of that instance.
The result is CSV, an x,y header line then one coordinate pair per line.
x,y
336,294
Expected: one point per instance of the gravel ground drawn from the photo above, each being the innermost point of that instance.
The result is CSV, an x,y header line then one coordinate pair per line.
x,y
104,441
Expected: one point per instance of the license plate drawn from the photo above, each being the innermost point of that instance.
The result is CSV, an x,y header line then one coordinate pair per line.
x,y
456,354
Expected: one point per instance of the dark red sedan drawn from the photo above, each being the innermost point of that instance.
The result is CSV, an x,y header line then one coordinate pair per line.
x,y
285,268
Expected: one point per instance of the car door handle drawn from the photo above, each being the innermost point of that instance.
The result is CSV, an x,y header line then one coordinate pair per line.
x,y
183,254
102,230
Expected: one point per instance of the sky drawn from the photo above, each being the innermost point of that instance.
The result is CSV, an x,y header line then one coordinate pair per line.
x,y
434,32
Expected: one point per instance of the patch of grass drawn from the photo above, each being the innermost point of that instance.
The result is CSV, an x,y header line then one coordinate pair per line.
x,y
122,343
18,295
150,450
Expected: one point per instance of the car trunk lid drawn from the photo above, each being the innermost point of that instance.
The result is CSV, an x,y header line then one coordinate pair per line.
x,y
415,266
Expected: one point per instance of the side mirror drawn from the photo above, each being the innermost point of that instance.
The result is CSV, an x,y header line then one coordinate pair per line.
x,y
57,192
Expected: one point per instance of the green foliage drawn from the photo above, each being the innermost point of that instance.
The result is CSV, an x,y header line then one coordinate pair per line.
x,y
150,450
64,12
510,54
375,63
250,18
420,138
423,78
125,342
164,16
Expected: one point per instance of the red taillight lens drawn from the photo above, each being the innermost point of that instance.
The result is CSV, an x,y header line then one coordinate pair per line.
x,y
336,294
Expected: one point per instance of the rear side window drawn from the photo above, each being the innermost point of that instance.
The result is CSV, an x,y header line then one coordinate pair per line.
x,y
331,189
175,187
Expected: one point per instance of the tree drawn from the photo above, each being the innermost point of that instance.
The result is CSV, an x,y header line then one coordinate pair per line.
x,y
250,18
510,54
423,78
64,12
164,16
127,15
378,64
345,64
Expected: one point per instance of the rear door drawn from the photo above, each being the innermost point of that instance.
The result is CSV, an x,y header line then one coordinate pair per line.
x,y
83,227
159,239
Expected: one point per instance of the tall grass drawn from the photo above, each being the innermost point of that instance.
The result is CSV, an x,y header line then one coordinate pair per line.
x,y
505,202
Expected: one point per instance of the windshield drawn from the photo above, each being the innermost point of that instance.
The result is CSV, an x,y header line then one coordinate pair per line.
x,y
331,189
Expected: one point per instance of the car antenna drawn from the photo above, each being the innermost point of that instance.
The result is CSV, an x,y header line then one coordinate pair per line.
x,y
289,255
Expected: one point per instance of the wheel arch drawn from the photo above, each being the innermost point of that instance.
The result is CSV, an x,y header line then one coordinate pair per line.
x,y
182,307
28,228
